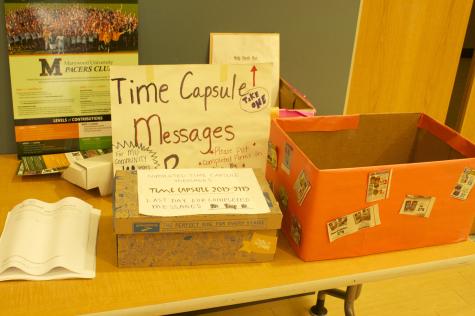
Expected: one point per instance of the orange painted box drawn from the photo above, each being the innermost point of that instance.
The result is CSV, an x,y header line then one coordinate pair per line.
x,y
362,184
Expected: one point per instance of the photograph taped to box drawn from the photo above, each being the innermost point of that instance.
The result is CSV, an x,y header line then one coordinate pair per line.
x,y
341,153
283,198
378,185
272,155
354,222
286,164
302,186
417,205
464,184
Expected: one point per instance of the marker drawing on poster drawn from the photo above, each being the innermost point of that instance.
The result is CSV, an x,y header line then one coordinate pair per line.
x,y
190,116
248,48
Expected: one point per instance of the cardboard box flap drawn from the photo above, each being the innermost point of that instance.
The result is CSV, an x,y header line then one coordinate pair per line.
x,y
444,133
428,147
292,99
374,139
127,219
319,123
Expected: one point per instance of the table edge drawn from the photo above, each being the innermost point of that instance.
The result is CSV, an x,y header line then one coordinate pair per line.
x,y
288,289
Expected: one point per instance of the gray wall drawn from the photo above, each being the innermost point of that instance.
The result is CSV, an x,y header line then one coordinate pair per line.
x,y
316,38
7,134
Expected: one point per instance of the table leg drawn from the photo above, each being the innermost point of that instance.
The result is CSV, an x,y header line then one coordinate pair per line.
x,y
349,296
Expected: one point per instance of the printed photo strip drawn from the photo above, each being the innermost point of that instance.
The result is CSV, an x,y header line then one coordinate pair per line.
x,y
378,185
464,185
272,155
301,187
283,199
417,205
288,151
296,230
353,223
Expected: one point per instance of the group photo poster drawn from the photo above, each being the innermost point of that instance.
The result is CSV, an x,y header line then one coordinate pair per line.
x,y
60,54
190,116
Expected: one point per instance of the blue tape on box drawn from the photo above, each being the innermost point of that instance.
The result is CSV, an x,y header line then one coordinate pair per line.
x,y
146,227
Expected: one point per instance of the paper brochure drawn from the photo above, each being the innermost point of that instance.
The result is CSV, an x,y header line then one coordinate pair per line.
x,y
46,241
55,163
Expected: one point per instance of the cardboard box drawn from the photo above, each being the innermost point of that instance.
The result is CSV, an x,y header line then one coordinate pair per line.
x,y
336,154
292,102
91,173
190,240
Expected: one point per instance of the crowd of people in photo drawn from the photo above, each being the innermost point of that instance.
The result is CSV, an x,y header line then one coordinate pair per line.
x,y
72,29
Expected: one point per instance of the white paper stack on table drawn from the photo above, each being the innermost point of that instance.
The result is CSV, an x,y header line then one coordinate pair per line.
x,y
46,241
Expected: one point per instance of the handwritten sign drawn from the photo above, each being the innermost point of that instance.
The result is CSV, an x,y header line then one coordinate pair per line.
x,y
248,48
177,192
190,116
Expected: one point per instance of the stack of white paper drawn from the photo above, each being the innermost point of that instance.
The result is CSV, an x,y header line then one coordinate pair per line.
x,y
45,241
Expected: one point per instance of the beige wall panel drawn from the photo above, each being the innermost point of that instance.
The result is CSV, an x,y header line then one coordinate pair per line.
x,y
468,103
468,113
406,56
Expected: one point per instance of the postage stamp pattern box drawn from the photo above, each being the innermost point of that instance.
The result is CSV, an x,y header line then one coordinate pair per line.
x,y
320,171
194,239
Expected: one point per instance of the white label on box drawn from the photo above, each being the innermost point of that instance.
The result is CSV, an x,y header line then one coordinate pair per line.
x,y
178,192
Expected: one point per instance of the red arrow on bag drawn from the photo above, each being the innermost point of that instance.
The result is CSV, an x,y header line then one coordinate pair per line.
x,y
253,70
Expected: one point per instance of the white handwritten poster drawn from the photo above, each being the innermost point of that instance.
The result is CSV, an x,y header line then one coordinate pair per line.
x,y
190,116
199,191
248,48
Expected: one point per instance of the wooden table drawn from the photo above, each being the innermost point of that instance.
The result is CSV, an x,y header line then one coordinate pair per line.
x,y
163,290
